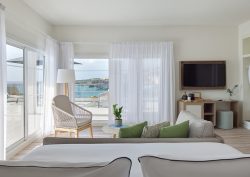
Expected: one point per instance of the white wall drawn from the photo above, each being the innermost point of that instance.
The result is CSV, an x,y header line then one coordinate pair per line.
x,y
24,25
190,43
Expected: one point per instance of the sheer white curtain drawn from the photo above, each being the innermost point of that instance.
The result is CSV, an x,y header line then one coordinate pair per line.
x,y
51,66
142,81
66,61
3,92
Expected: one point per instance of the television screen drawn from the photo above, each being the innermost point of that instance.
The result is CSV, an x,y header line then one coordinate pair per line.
x,y
203,74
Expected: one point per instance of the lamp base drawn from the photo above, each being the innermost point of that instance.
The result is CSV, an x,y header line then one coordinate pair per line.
x,y
66,89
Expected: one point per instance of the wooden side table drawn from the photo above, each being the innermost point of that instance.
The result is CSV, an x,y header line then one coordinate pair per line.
x,y
112,129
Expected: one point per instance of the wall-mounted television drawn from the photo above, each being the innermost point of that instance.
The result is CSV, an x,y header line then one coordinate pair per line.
x,y
202,75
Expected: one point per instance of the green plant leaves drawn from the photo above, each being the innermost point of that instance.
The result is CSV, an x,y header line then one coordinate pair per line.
x,y
117,111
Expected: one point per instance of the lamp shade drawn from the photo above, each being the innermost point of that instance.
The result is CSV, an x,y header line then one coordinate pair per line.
x,y
65,76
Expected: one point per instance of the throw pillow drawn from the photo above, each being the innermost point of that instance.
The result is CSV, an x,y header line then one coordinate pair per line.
x,y
175,131
153,131
134,131
201,129
186,115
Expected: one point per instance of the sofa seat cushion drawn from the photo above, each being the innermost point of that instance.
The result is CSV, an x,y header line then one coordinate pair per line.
x,y
134,131
154,130
201,129
175,131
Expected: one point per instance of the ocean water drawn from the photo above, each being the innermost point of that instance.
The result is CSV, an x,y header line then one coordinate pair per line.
x,y
81,91
85,91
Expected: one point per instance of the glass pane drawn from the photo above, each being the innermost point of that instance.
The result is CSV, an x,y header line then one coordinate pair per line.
x,y
15,97
35,86
92,84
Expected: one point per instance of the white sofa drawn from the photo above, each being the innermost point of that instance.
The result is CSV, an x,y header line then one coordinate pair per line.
x,y
198,128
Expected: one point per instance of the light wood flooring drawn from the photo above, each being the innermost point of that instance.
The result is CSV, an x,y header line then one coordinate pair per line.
x,y
97,131
238,138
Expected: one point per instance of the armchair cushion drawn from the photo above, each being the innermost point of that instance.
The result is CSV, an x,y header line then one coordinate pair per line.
x,y
81,122
62,102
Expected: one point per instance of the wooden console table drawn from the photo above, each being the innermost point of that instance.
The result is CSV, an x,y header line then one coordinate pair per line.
x,y
207,109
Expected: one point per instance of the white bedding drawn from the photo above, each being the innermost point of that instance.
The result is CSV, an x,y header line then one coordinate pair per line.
x,y
108,152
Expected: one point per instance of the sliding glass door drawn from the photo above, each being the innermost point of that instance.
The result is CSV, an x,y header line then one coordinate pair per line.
x,y
35,88
15,95
25,86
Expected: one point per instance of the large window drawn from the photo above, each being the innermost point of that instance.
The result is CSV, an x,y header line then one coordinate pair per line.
x,y
92,84
25,88
15,96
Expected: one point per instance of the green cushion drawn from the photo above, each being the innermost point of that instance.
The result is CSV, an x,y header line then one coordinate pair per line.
x,y
134,131
175,131
154,130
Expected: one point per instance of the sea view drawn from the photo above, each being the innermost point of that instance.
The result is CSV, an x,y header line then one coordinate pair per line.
x,y
90,88
91,77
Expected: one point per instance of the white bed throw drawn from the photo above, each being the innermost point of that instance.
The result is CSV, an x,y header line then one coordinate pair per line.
x,y
117,168
108,152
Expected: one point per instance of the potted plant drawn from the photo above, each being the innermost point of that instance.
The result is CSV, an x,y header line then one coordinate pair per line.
x,y
231,91
117,111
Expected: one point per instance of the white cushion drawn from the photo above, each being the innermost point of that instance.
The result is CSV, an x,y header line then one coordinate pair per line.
x,y
81,122
201,129
185,116
119,167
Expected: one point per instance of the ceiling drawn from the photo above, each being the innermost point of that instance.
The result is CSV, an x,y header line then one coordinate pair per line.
x,y
142,12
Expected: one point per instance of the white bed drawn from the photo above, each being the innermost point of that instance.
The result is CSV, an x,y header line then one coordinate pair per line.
x,y
108,152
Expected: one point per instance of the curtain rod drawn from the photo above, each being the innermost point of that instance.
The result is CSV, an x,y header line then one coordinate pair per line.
x,y
2,6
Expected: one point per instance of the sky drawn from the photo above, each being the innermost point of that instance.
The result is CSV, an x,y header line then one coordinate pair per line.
x,y
87,69
91,68
15,70
13,52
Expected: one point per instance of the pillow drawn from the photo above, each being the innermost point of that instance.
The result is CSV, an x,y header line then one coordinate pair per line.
x,y
134,131
201,129
163,166
175,131
153,131
119,167
186,115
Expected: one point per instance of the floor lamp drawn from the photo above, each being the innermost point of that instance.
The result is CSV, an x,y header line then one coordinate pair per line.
x,y
66,77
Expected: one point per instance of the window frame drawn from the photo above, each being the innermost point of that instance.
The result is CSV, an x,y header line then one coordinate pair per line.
x,y
25,49
95,58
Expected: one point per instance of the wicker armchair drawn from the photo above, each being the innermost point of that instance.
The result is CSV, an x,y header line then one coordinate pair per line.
x,y
69,117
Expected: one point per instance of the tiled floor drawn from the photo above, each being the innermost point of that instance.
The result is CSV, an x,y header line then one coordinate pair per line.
x,y
238,138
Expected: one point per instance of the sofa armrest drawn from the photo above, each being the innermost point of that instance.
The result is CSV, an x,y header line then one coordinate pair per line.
x,y
219,138
54,140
